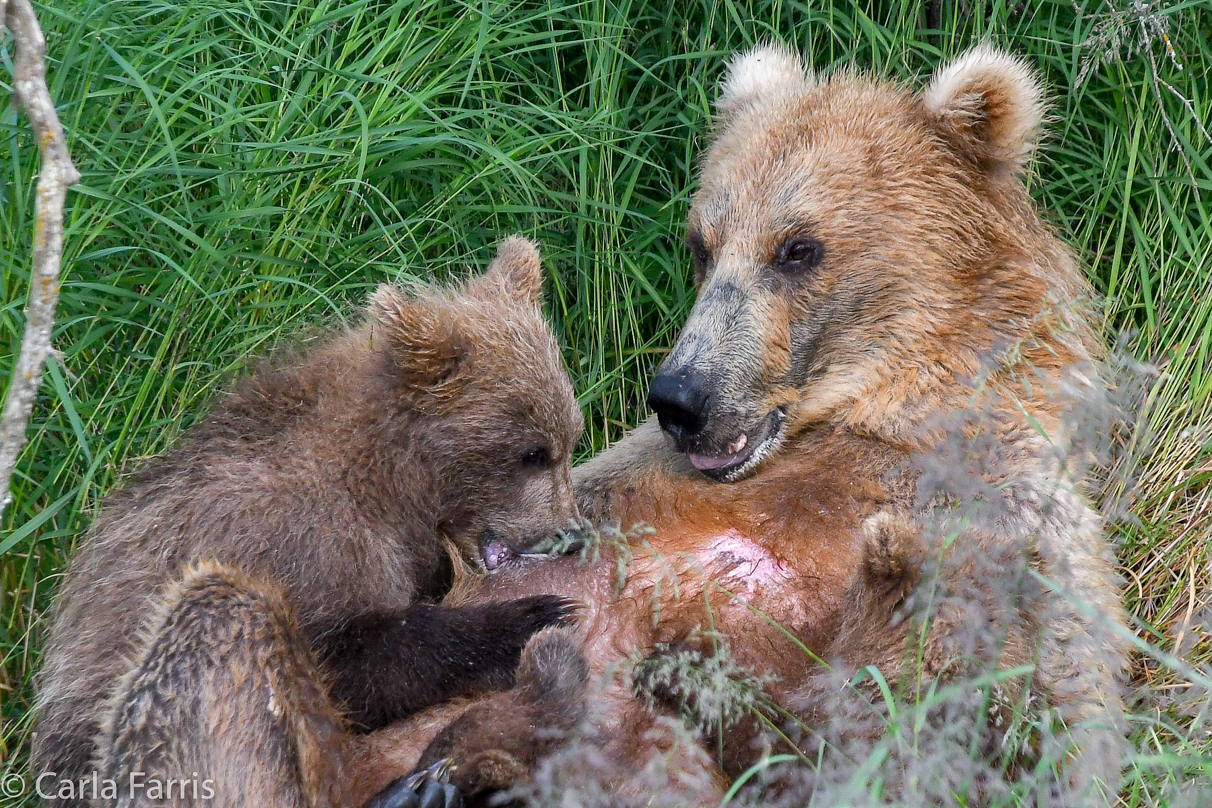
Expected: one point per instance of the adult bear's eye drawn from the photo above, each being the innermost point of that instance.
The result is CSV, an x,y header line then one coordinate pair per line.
x,y
701,256
537,458
800,254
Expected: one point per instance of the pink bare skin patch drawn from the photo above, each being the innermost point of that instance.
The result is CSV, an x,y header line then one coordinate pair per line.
x,y
730,560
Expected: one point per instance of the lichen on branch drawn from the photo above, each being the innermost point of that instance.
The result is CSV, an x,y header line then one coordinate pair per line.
x,y
58,174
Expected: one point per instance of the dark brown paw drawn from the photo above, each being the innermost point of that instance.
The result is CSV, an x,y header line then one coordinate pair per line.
x,y
428,788
525,616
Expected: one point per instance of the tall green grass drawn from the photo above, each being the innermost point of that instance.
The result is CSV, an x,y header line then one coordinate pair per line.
x,y
253,167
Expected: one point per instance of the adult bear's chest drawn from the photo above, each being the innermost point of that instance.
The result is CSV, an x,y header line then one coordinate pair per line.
x,y
784,544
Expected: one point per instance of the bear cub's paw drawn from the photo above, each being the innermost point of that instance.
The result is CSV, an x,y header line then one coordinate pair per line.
x,y
497,742
428,788
519,620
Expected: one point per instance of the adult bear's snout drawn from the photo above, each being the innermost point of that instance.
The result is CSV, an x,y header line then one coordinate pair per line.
x,y
681,402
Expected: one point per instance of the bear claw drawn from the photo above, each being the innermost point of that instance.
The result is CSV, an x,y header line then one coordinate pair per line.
x,y
428,788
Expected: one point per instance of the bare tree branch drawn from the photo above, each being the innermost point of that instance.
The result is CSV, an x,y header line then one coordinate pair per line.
x,y
58,174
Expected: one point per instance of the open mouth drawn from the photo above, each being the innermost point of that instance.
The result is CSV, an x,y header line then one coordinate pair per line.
x,y
496,552
744,452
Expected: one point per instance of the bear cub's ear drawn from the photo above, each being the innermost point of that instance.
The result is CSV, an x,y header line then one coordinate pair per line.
x,y
893,554
988,104
426,344
517,271
763,71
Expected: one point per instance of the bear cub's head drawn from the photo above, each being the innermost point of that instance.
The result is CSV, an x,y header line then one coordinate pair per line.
x,y
859,246
494,419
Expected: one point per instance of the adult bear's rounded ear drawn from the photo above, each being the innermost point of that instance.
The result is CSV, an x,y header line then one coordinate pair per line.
x,y
988,105
517,270
761,72
423,340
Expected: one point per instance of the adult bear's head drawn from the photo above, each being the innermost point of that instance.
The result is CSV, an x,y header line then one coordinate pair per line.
x,y
859,248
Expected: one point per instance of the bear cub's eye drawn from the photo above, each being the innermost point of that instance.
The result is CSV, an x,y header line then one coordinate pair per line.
x,y
800,254
537,458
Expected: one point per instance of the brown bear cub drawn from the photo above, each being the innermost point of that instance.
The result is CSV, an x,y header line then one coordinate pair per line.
x,y
321,493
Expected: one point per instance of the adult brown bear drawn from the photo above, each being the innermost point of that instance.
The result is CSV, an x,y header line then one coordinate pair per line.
x,y
880,378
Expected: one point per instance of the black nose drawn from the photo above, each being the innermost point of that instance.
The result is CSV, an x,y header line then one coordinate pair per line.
x,y
680,402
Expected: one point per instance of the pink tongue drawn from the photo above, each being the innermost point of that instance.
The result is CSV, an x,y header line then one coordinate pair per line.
x,y
705,463
495,554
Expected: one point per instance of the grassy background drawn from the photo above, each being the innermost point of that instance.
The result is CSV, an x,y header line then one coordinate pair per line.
x,y
251,167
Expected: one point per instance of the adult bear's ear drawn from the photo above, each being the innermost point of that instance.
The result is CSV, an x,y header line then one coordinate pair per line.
x,y
516,270
426,344
988,105
764,71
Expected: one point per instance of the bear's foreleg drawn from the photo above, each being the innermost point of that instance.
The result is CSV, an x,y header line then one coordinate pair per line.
x,y
384,667
224,705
